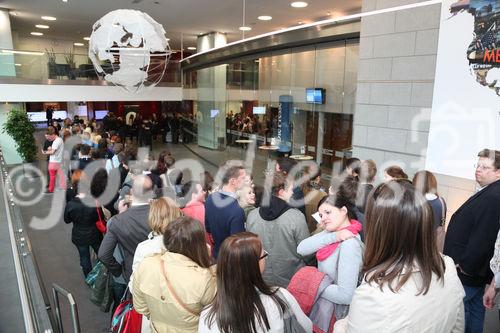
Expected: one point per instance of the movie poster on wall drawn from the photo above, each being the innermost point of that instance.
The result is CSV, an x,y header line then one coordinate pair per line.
x,y
465,115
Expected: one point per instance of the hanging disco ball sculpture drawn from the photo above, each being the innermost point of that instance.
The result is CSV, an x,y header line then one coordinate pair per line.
x,y
129,49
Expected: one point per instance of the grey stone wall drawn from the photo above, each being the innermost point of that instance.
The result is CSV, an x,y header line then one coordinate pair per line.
x,y
397,62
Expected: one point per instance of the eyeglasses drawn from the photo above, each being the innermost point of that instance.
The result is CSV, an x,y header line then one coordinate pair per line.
x,y
482,167
264,255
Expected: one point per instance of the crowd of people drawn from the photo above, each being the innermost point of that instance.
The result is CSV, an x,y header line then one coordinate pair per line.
x,y
198,254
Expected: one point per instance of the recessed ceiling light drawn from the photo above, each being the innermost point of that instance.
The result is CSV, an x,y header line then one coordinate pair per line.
x,y
18,65
245,28
64,0
22,52
78,44
265,18
299,4
328,13
36,33
48,18
42,26
86,38
192,48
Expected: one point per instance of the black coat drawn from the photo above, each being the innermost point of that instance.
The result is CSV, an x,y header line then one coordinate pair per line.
x,y
83,218
470,239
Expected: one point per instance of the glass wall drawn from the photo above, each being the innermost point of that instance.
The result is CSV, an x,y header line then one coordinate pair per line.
x,y
71,66
260,90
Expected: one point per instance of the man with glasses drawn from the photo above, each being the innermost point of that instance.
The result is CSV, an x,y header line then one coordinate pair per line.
x,y
471,236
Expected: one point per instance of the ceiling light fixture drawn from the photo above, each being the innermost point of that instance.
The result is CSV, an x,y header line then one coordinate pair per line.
x,y
78,44
42,26
265,18
48,18
299,4
36,33
64,0
244,28
192,48
22,52
167,39
86,38
300,22
18,65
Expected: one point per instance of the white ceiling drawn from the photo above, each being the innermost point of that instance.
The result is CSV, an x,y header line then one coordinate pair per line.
x,y
189,17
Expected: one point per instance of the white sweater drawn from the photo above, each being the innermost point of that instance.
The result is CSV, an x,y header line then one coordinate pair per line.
x,y
273,315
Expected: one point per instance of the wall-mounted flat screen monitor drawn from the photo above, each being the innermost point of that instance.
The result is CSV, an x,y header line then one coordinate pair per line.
x,y
99,114
315,95
259,110
214,113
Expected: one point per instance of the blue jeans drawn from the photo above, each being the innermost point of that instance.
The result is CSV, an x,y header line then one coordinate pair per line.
x,y
85,262
474,309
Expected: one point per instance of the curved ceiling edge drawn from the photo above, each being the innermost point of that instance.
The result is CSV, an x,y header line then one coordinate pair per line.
x,y
295,38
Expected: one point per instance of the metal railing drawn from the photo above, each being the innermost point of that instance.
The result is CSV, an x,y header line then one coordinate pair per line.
x,y
35,305
56,290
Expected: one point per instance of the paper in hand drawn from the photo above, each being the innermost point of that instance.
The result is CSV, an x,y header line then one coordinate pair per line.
x,y
316,217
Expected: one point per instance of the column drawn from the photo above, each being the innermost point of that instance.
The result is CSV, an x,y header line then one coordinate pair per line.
x,y
212,96
7,67
321,133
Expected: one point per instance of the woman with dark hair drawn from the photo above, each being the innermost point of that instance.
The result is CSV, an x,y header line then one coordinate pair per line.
x,y
244,303
425,182
408,285
171,289
339,256
84,234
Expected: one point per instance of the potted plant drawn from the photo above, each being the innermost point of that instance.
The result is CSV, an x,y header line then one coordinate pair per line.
x,y
19,127
51,57
70,60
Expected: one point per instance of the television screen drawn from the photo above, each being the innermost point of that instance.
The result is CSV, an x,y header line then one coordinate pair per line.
x,y
214,113
315,95
259,110
99,114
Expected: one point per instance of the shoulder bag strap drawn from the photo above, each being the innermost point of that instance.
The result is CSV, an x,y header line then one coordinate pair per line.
x,y
443,212
98,210
172,291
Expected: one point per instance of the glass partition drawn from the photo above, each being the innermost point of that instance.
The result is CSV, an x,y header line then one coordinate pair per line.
x,y
265,98
65,66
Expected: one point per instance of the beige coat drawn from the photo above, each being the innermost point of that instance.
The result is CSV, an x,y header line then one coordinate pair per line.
x,y
440,310
194,285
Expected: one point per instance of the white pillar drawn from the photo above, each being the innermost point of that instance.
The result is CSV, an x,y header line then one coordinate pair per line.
x,y
212,95
7,67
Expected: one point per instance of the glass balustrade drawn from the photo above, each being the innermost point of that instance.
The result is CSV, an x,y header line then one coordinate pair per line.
x,y
43,66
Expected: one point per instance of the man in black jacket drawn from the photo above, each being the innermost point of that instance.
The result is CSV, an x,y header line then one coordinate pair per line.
x,y
471,236
126,230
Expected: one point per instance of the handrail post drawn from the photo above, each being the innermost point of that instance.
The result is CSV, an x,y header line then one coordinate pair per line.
x,y
73,308
57,307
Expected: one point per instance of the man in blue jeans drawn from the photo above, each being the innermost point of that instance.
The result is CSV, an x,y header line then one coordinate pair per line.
x,y
471,236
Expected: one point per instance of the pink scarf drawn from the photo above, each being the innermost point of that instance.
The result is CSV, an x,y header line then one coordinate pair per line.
x,y
328,250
